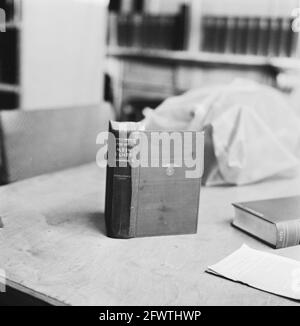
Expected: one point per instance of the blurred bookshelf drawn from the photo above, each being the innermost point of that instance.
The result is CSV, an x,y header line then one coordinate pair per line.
x,y
184,44
248,27
45,66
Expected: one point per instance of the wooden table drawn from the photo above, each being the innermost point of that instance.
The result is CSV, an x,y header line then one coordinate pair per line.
x,y
53,246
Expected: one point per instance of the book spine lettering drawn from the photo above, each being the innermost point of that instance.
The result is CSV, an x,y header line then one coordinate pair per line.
x,y
288,234
119,189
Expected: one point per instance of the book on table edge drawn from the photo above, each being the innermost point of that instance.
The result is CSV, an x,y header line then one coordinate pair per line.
x,y
148,201
274,221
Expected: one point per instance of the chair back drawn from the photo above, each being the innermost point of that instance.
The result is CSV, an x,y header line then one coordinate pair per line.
x,y
44,141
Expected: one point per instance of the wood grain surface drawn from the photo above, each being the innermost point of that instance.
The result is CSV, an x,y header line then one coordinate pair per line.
x,y
53,246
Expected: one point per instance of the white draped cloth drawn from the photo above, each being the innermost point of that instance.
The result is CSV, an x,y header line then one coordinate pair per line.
x,y
256,134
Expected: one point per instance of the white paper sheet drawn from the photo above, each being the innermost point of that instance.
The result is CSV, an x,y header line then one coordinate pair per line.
x,y
261,270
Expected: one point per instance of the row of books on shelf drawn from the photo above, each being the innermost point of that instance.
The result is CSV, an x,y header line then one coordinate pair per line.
x,y
148,31
235,35
249,35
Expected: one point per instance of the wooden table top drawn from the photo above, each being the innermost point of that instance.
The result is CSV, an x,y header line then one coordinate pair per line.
x,y
53,246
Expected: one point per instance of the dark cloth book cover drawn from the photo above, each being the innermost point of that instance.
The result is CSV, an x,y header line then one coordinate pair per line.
x,y
152,200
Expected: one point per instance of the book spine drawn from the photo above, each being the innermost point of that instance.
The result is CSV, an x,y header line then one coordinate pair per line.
x,y
144,31
274,37
288,234
284,38
137,30
161,33
230,34
129,32
151,32
118,186
179,30
223,36
253,35
137,23
264,36
219,36
242,35
113,29
293,41
209,33
121,27
168,40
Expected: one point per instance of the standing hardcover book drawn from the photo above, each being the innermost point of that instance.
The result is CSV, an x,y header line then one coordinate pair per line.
x,y
274,221
149,200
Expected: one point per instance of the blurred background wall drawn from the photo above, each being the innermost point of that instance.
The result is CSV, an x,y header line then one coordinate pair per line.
x,y
161,48
52,53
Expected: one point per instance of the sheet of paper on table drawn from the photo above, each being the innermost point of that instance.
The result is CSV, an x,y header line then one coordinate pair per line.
x,y
261,270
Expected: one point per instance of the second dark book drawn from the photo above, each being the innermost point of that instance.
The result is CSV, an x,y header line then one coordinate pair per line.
x,y
274,221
